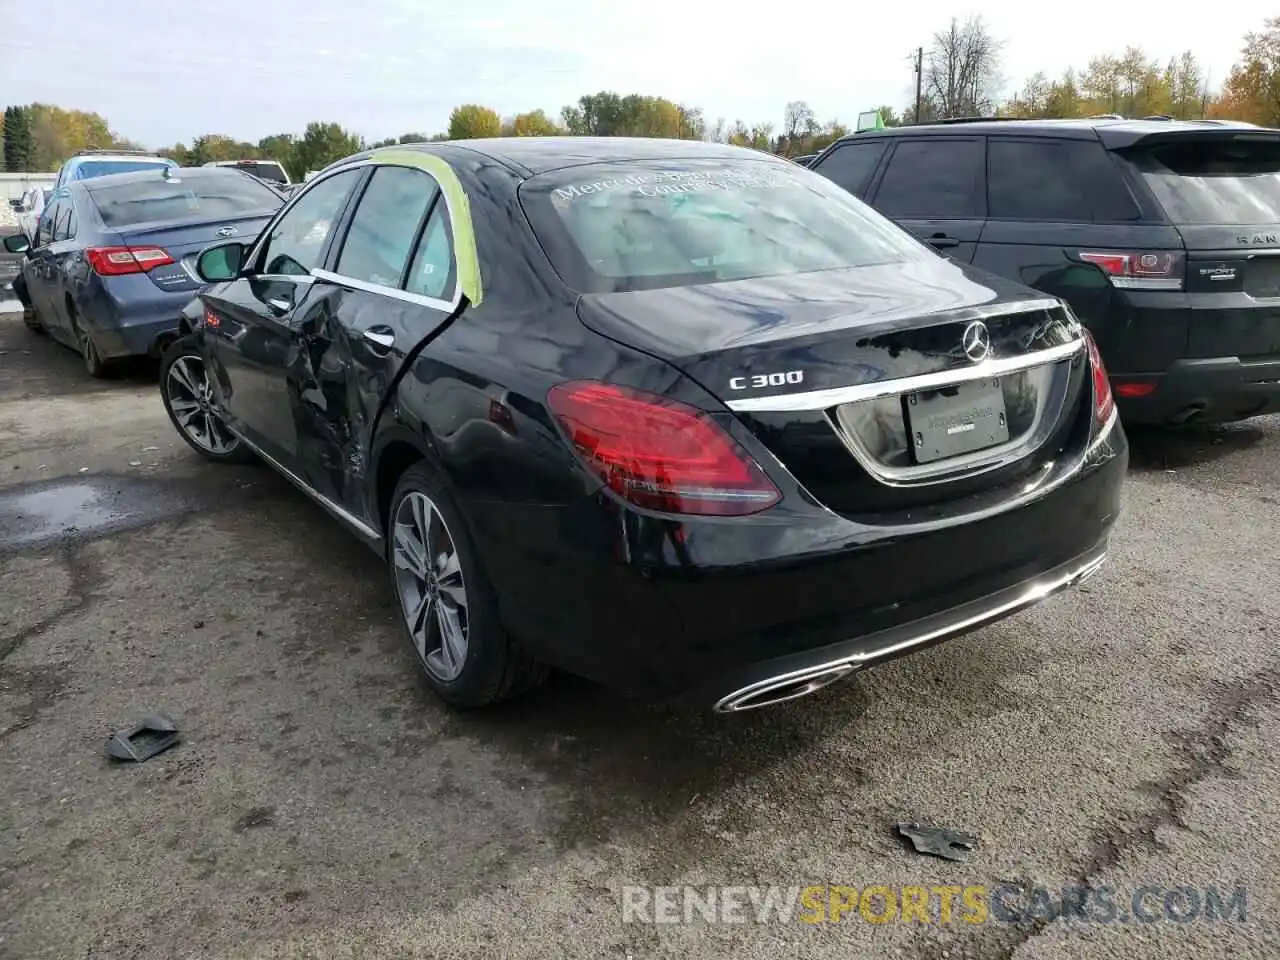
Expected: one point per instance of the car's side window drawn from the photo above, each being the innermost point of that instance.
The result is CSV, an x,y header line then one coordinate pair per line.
x,y
63,222
1042,179
72,223
938,178
296,243
44,232
851,165
384,226
433,273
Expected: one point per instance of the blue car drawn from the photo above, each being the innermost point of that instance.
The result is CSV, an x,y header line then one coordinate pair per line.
x,y
100,163
110,269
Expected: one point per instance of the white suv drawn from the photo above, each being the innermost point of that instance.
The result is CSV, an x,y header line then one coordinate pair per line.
x,y
271,171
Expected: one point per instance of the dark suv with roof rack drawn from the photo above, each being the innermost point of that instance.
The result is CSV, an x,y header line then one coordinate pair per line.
x,y
1164,236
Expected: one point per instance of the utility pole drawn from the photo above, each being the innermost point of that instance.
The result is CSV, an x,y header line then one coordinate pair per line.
x,y
919,79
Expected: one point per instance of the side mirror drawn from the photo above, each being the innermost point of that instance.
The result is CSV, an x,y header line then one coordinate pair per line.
x,y
17,243
225,261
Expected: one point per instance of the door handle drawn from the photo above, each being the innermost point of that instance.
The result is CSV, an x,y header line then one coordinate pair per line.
x,y
940,241
380,337
280,303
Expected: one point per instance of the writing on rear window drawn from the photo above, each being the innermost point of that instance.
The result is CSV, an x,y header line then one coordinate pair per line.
x,y
644,224
672,182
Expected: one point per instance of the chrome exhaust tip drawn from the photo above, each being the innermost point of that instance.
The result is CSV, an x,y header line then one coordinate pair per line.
x,y
789,686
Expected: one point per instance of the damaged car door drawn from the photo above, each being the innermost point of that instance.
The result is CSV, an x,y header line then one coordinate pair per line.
x,y
255,332
392,286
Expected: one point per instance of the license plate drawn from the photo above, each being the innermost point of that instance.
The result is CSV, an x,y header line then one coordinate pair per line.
x,y
956,420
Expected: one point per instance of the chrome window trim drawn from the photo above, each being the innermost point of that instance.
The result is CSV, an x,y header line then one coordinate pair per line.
x,y
395,293
815,400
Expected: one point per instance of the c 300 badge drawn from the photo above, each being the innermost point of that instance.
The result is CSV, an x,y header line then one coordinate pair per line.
x,y
788,378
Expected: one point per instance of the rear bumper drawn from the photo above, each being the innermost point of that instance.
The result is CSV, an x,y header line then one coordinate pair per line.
x,y
785,678
137,338
130,316
1211,390
696,610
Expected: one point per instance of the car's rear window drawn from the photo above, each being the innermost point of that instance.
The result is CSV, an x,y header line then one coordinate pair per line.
x,y
646,224
266,171
178,197
103,168
1215,182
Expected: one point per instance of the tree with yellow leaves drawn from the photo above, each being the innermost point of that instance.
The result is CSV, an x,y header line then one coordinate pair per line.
x,y
1131,84
472,121
535,123
1252,89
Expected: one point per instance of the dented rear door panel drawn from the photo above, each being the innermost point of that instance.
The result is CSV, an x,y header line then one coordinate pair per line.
x,y
355,351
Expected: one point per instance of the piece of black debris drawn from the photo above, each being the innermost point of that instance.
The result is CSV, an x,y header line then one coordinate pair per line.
x,y
938,841
143,740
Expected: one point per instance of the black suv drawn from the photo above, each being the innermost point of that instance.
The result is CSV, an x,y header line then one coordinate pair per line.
x,y
1163,236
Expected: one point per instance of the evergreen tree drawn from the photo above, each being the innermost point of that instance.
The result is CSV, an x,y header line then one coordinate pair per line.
x,y
17,139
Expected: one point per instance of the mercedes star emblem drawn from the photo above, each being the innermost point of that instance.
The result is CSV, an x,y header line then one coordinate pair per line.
x,y
227,232
976,341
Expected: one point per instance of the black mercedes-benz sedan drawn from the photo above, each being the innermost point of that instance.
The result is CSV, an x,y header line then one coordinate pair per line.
x,y
685,419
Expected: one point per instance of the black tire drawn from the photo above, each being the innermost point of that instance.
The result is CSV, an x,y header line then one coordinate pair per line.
x,y
184,351
94,365
29,315
495,666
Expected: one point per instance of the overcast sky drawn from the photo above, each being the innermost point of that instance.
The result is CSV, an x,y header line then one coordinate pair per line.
x,y
167,71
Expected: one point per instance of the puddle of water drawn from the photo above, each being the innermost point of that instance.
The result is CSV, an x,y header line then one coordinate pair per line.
x,y
77,508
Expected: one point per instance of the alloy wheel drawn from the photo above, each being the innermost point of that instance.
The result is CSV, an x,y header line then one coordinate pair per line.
x,y
191,399
433,595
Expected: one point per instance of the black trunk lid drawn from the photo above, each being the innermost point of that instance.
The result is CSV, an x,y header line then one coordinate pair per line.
x,y
812,364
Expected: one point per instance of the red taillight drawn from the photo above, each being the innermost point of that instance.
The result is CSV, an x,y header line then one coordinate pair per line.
x,y
660,454
1136,388
1140,270
118,261
1103,402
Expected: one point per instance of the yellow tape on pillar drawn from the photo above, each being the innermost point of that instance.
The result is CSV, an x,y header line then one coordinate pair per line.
x,y
464,234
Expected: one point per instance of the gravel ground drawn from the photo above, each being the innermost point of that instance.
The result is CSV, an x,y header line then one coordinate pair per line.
x,y
321,803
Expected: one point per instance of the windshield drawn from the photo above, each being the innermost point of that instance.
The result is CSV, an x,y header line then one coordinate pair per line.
x,y
177,198
646,224
1208,182
102,168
